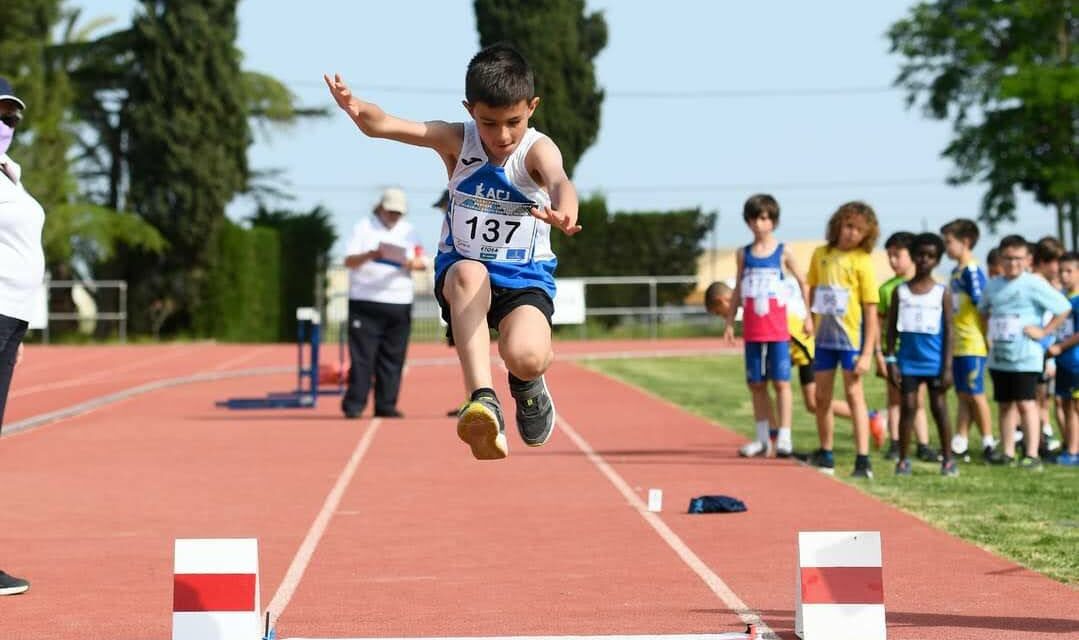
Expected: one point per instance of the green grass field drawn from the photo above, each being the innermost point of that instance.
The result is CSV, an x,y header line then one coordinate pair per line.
x,y
1031,518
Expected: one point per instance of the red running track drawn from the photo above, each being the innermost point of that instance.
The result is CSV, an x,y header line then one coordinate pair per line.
x,y
423,541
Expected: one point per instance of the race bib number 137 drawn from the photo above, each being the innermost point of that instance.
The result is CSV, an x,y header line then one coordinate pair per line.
x,y
492,230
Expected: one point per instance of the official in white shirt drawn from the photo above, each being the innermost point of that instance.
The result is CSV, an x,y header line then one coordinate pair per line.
x,y
382,254
22,265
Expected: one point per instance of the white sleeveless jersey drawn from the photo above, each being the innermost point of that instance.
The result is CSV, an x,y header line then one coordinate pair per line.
x,y
489,217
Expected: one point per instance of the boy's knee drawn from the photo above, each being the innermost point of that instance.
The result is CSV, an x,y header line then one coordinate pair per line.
x,y
465,277
528,365
756,386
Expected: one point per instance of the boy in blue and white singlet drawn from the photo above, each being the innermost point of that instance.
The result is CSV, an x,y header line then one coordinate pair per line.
x,y
495,267
920,321
1066,352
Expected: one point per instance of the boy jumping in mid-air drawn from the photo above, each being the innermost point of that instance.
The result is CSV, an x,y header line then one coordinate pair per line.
x,y
494,267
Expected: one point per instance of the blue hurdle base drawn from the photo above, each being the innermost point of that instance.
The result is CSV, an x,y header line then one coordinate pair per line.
x,y
273,401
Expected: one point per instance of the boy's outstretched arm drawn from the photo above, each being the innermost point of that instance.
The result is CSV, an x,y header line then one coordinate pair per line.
x,y
544,163
443,137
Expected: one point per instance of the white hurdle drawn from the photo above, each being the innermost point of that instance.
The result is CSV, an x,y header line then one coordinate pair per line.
x,y
215,589
840,592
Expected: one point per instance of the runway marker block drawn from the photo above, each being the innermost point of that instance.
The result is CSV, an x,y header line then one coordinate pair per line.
x,y
215,589
840,586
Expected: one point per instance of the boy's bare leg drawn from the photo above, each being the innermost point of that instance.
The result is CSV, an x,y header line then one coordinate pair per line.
x,y
921,425
1008,415
784,410
825,419
467,289
1030,414
841,409
524,343
856,399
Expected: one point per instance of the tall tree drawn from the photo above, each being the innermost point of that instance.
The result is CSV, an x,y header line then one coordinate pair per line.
x,y
188,141
560,41
1005,73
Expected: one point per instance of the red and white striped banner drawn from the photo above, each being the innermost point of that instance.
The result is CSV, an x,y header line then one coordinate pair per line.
x,y
215,590
840,592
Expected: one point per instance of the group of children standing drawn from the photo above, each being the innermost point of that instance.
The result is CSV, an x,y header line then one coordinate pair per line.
x,y
921,333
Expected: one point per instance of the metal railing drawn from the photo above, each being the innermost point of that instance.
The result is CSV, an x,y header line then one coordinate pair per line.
x,y
119,315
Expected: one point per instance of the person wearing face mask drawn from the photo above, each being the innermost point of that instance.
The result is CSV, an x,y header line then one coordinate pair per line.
x,y
383,252
22,265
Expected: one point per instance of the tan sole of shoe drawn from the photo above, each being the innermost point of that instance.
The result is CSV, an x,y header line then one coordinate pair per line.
x,y
477,426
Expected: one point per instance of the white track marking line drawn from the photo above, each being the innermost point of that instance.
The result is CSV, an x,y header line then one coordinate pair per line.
x,y
314,535
692,560
98,375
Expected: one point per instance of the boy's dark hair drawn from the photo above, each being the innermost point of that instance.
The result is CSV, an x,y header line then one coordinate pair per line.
x,y
928,240
1070,256
900,240
963,228
761,203
854,209
715,290
1013,241
993,257
1048,249
499,76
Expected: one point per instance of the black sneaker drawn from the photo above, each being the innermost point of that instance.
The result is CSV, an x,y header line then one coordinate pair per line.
x,y
535,411
903,468
481,426
389,413
1031,464
893,451
10,585
862,468
999,459
927,453
949,469
823,460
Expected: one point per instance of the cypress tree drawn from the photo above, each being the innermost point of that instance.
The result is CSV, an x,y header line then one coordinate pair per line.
x,y
188,140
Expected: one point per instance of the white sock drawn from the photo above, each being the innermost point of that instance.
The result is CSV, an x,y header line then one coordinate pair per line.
x,y
988,441
784,437
762,431
1047,430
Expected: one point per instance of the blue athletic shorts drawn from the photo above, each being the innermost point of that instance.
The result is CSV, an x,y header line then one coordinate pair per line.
x,y
1067,382
968,374
829,359
768,361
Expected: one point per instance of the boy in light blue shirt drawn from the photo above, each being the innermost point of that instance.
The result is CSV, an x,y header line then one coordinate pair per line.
x,y
1013,306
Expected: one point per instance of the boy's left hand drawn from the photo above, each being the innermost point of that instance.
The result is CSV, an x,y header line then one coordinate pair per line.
x,y
565,222
808,324
1055,350
946,379
1034,332
861,365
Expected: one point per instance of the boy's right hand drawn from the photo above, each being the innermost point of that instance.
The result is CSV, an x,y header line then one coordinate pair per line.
x,y
728,332
894,376
342,94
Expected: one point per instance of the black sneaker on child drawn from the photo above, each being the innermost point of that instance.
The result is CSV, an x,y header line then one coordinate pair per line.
x,y
893,450
11,586
927,453
862,468
823,460
481,426
535,410
999,459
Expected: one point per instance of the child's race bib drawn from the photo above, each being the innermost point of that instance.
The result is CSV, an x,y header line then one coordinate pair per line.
x,y
830,300
492,230
1005,328
760,285
915,318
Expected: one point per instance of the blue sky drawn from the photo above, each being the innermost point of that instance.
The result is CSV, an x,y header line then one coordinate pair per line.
x,y
732,117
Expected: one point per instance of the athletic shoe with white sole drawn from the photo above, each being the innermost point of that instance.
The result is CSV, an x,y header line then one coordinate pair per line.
x,y
11,586
481,426
753,449
535,411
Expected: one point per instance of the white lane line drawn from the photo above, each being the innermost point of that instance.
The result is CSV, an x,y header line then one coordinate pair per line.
x,y
244,357
314,535
692,560
101,374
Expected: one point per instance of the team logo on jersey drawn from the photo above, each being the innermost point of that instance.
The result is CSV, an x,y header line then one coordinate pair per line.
x,y
516,254
488,253
471,161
